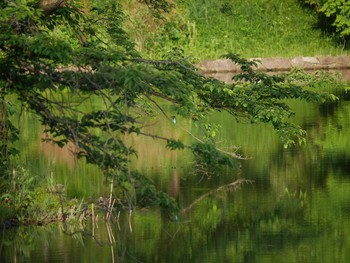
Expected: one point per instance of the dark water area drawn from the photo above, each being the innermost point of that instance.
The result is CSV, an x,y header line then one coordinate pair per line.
x,y
295,208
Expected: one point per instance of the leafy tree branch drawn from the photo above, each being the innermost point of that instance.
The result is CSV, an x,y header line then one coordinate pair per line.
x,y
45,64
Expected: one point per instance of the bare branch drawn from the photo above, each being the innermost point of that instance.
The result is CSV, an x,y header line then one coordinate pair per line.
x,y
228,187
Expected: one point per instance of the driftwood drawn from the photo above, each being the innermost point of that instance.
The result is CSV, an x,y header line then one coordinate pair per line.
x,y
228,187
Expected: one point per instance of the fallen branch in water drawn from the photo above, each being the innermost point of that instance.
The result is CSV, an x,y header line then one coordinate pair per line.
x,y
228,187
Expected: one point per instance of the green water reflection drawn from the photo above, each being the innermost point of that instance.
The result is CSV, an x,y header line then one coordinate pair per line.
x,y
297,209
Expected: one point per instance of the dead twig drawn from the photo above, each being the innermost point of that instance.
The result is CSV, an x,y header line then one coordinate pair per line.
x,y
228,187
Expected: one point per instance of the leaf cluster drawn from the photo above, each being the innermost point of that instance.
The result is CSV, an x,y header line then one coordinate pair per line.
x,y
335,13
91,92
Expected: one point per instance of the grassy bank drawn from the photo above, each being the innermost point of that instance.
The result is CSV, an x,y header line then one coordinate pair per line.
x,y
28,200
254,28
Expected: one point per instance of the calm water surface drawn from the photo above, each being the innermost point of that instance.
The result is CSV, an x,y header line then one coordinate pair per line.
x,y
296,210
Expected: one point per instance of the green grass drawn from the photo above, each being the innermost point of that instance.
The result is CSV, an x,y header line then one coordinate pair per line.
x,y
252,28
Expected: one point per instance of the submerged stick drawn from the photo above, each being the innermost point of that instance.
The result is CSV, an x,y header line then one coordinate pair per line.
x,y
130,220
93,219
110,210
109,202
228,187
111,240
118,220
93,213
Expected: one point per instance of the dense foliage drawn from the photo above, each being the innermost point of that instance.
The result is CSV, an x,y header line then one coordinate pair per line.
x,y
253,28
79,72
334,14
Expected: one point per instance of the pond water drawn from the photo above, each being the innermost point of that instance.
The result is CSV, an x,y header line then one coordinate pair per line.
x,y
296,209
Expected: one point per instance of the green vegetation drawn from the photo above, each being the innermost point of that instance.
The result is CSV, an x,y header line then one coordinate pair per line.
x,y
261,28
29,199
54,61
333,15
258,29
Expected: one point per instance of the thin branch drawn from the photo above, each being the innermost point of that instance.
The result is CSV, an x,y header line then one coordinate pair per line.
x,y
158,106
228,187
156,137
155,93
232,154
167,62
